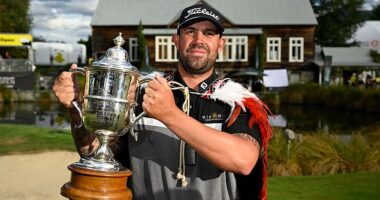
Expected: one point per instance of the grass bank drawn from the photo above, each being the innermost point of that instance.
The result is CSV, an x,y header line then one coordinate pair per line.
x,y
28,139
349,186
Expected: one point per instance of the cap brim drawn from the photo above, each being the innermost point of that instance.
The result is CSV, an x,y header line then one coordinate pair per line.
x,y
193,20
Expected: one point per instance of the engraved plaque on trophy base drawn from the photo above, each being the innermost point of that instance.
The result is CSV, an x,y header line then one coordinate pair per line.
x,y
97,185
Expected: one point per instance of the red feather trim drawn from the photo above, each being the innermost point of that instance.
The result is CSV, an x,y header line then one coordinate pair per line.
x,y
234,116
259,115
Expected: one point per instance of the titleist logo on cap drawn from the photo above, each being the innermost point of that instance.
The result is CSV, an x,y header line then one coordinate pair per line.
x,y
204,11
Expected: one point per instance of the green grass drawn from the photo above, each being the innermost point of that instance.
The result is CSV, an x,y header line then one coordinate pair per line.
x,y
28,139
349,186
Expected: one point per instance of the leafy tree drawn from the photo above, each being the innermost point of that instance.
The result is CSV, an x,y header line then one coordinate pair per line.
x,y
88,44
14,17
338,20
142,44
39,39
261,46
375,13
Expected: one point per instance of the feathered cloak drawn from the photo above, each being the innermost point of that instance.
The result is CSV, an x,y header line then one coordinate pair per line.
x,y
239,98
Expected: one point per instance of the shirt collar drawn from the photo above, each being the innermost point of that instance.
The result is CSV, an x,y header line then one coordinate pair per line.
x,y
203,86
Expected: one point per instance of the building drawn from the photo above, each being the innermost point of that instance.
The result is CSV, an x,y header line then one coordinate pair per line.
x,y
339,64
285,28
16,71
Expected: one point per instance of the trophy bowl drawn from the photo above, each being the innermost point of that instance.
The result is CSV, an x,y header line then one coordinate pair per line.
x,y
110,95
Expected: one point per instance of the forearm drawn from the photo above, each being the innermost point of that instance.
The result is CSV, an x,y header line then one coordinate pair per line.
x,y
229,152
85,142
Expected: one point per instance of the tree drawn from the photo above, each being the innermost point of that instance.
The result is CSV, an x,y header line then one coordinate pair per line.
x,y
141,46
375,13
88,44
338,20
39,39
14,17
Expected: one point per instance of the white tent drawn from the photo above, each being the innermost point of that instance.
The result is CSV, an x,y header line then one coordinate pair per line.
x,y
276,78
368,35
56,54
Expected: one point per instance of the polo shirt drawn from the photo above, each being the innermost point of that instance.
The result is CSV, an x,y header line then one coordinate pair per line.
x,y
154,157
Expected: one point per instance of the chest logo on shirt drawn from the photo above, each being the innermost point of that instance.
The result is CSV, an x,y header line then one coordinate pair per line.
x,y
213,117
203,85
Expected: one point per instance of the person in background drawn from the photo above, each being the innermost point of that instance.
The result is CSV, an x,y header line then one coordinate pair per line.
x,y
353,80
368,81
215,151
7,55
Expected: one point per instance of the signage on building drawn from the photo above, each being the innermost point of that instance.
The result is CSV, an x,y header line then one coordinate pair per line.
x,y
18,80
15,39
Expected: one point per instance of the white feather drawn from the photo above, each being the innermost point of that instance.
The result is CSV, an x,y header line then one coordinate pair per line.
x,y
232,93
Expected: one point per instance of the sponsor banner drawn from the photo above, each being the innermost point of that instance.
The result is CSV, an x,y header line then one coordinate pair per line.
x,y
15,39
18,80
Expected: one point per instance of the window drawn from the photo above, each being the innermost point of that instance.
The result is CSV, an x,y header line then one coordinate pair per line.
x,y
235,49
296,49
133,50
165,49
273,49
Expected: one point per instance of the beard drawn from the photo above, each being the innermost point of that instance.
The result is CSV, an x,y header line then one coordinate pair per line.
x,y
197,65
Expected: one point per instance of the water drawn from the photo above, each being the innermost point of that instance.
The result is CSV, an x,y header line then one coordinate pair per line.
x,y
311,118
41,115
301,119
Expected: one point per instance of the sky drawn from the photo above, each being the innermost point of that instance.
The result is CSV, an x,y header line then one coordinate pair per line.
x,y
62,20
69,20
369,3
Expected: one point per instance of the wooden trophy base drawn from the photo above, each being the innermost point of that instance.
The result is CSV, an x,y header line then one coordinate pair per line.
x,y
97,185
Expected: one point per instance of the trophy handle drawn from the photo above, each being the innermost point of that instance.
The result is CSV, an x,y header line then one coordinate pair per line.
x,y
133,121
78,70
76,105
174,86
132,118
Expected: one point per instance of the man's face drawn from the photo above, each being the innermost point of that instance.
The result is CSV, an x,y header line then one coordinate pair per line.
x,y
198,45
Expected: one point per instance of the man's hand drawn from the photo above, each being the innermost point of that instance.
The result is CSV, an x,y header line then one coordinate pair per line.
x,y
158,99
66,88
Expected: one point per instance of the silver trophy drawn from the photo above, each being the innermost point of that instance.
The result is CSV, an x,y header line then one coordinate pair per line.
x,y
110,94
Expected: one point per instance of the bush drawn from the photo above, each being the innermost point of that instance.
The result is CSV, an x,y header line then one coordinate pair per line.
x,y
6,94
283,156
364,99
319,153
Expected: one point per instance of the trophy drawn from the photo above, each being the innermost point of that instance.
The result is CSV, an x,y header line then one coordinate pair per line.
x,y
110,94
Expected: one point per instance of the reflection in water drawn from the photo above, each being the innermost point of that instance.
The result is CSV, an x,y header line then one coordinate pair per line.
x,y
299,118
42,115
313,118
51,119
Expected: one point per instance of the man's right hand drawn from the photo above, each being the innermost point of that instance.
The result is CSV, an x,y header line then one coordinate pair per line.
x,y
66,88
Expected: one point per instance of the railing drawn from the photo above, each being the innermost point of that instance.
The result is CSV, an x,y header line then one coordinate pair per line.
x,y
16,65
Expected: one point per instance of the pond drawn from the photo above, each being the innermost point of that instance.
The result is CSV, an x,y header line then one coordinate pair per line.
x,y
42,115
299,118
312,118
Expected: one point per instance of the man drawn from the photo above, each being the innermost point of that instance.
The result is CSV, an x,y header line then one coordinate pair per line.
x,y
215,160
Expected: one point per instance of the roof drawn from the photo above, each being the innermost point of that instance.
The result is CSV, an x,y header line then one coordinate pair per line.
x,y
237,12
350,56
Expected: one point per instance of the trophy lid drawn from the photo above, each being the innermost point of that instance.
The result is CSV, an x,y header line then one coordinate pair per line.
x,y
115,57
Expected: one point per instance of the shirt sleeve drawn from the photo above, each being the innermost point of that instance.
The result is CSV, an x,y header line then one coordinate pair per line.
x,y
241,126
